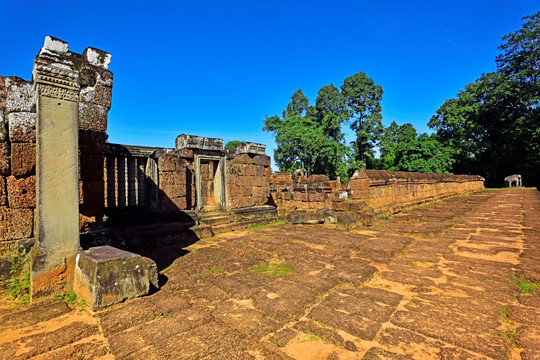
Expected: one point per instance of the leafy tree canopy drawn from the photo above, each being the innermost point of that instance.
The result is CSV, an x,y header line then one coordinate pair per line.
x,y
492,127
363,98
233,144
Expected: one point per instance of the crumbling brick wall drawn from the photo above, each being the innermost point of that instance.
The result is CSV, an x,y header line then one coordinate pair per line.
x,y
94,103
176,180
248,179
17,165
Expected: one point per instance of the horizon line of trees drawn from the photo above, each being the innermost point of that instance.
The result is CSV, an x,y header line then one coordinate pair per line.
x,y
492,127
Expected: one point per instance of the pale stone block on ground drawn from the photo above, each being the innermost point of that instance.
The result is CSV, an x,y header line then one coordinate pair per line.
x,y
105,275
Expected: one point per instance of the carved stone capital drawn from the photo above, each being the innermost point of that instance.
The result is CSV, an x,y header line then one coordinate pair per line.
x,y
56,80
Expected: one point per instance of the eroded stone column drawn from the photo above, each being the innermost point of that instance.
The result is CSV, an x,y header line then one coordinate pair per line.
x,y
57,180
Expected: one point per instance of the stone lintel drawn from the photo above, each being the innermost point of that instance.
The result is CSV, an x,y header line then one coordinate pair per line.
x,y
251,148
197,142
105,275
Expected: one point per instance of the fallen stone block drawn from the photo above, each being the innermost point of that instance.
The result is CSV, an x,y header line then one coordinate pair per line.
x,y
105,275
295,217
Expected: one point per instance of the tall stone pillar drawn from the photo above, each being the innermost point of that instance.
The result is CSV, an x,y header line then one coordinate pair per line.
x,y
57,165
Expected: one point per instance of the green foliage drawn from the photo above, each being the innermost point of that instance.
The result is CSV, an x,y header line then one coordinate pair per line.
x,y
214,269
274,270
18,285
363,97
311,136
233,144
424,154
492,127
391,137
525,286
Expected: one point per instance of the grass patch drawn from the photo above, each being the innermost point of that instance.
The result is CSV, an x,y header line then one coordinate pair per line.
x,y
385,217
525,286
510,336
274,270
214,269
313,337
72,300
170,267
257,227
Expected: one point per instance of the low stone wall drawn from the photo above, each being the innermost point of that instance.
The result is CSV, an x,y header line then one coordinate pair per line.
x,y
305,193
382,191
389,191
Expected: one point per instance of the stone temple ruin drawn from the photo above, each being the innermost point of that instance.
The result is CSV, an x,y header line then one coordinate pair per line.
x,y
64,188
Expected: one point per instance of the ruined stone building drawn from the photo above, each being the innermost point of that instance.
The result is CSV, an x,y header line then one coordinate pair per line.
x,y
63,185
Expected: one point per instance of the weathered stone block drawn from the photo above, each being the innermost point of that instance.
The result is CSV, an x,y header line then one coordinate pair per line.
x,y
172,178
105,275
22,127
20,95
91,167
99,95
91,192
16,223
4,158
173,191
3,192
90,217
3,129
92,141
262,160
3,92
92,117
171,162
196,142
21,192
23,159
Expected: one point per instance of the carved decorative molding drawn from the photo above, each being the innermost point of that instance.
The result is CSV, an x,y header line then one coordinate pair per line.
x,y
57,92
52,80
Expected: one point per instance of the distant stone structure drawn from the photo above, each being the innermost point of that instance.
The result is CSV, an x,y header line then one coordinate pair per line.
x,y
64,188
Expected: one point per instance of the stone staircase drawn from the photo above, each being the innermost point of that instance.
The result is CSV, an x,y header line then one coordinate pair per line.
x,y
214,215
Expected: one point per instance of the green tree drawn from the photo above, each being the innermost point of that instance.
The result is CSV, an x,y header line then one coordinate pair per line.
x,y
391,137
424,154
300,142
309,137
363,98
298,106
492,127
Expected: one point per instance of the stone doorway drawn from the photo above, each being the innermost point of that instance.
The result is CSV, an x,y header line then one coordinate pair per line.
x,y
210,183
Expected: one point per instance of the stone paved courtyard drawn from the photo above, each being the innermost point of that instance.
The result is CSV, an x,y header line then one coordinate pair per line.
x,y
438,282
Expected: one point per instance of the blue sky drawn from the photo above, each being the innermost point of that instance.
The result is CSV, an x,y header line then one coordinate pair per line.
x,y
216,68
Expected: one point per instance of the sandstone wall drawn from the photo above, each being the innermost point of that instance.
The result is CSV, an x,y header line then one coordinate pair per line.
x,y
17,164
383,191
248,179
94,103
305,193
389,191
176,180
18,151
